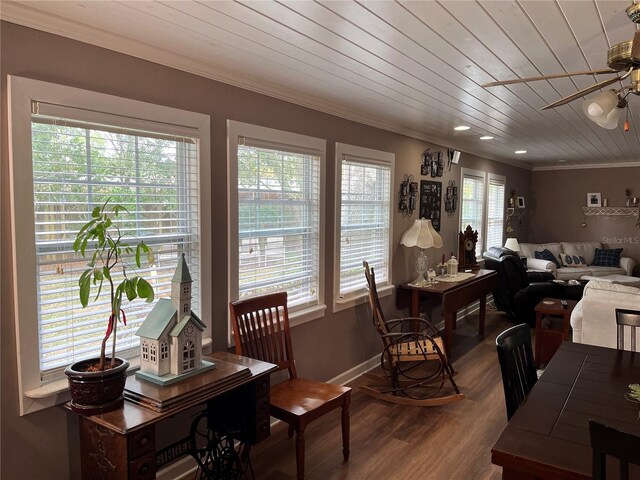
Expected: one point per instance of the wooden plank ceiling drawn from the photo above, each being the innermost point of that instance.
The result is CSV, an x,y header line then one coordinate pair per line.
x,y
406,66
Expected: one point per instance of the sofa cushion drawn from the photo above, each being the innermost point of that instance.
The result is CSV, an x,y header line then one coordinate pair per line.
x,y
607,257
547,255
572,261
528,249
566,273
596,287
587,250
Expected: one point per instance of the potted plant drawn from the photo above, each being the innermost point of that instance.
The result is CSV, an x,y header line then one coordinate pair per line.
x,y
97,384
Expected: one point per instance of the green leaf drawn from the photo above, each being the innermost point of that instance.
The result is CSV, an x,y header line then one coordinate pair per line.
x,y
92,263
145,290
117,209
106,272
83,246
99,290
76,244
85,287
150,258
96,212
130,289
117,298
138,255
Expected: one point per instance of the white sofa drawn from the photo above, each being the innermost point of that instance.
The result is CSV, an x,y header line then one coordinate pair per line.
x,y
584,249
593,319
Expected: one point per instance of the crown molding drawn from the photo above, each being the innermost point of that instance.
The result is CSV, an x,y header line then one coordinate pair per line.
x,y
23,14
629,164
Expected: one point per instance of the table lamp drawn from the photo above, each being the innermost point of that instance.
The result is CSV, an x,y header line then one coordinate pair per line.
x,y
421,235
512,244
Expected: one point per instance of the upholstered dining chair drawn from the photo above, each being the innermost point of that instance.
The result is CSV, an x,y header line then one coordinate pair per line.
x,y
607,440
627,318
261,330
517,365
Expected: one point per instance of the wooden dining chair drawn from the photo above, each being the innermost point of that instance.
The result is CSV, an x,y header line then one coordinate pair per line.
x,y
261,331
607,440
517,365
627,318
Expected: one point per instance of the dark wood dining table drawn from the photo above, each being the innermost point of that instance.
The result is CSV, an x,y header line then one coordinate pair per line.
x,y
548,437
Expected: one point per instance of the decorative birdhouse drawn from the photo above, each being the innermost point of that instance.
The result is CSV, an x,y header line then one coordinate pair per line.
x,y
171,335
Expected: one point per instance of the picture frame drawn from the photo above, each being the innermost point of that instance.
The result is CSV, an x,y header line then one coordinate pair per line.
x,y
520,202
425,168
594,199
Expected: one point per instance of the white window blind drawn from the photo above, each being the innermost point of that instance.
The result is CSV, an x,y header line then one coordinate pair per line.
x,y
364,221
495,211
78,165
471,212
278,220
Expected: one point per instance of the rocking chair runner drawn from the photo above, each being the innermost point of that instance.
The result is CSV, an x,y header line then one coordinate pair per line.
x,y
415,367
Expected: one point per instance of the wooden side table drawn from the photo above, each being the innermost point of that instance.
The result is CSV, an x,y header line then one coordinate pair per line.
x,y
552,327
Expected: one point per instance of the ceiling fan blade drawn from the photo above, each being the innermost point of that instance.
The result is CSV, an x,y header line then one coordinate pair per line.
x,y
635,46
583,92
547,77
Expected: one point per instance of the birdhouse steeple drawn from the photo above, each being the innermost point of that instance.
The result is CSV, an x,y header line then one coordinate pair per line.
x,y
181,288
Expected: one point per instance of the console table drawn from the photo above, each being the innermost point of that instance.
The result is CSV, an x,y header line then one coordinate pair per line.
x,y
120,444
452,296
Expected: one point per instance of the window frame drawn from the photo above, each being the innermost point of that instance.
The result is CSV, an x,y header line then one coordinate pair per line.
x,y
374,157
486,179
503,180
235,130
34,394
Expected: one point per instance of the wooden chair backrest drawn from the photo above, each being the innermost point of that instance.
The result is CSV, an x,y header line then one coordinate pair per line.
x,y
374,301
607,440
261,330
628,318
517,365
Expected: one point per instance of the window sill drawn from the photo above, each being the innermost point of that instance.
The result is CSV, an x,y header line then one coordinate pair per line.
x,y
61,386
306,314
360,298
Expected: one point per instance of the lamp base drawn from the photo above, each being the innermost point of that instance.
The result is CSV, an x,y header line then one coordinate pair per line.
x,y
422,282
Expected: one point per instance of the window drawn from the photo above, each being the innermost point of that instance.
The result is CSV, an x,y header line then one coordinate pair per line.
x,y
483,207
145,350
83,148
495,211
363,220
164,350
188,356
472,211
153,354
276,219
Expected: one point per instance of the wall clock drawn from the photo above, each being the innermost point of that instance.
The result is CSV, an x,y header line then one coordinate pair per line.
x,y
467,247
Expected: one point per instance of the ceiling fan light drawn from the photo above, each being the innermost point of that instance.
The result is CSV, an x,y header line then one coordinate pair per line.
x,y
599,107
612,119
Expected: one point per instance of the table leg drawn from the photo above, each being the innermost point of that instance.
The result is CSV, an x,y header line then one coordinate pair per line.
x,y
483,312
538,342
454,324
415,303
449,320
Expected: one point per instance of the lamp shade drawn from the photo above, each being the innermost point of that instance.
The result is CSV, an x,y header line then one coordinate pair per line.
x,y
421,235
603,109
512,244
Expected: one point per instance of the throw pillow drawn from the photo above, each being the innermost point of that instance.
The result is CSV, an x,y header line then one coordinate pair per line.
x,y
572,260
548,256
607,257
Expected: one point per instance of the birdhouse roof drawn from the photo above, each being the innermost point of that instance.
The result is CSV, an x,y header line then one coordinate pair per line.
x,y
157,319
182,274
192,317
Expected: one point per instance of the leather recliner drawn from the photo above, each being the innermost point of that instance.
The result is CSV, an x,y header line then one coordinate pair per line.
x,y
518,292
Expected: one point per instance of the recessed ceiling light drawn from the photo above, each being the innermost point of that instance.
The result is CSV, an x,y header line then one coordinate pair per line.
x,y
486,137
520,152
461,127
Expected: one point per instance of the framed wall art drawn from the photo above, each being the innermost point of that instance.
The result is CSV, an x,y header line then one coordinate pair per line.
x,y
594,200
431,202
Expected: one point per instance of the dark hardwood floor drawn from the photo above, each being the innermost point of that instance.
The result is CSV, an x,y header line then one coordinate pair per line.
x,y
391,441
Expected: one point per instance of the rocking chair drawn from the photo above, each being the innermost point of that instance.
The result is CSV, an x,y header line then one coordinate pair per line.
x,y
416,370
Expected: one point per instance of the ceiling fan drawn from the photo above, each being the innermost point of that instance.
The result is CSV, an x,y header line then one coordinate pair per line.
x,y
605,108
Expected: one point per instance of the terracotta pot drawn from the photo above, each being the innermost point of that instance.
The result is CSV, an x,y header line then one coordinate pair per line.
x,y
96,392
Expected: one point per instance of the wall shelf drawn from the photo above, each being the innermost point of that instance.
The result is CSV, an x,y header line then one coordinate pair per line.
x,y
611,211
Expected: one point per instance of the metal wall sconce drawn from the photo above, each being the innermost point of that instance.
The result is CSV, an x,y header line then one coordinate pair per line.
x,y
408,196
451,198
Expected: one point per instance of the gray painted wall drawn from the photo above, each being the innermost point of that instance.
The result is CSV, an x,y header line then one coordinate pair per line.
x,y
44,445
557,198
